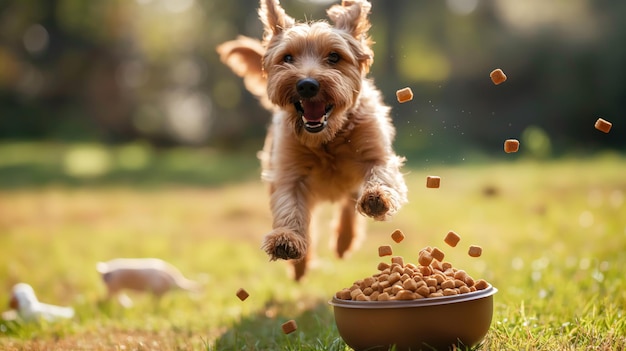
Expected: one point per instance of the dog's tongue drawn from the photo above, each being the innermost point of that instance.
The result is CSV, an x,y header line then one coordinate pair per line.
x,y
313,111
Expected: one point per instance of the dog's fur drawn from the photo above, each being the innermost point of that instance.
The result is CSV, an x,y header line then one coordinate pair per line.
x,y
331,135
28,307
151,275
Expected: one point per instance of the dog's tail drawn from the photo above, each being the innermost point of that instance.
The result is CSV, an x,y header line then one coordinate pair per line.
x,y
244,56
188,284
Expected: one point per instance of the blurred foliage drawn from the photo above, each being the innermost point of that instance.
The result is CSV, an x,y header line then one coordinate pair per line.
x,y
138,165
118,70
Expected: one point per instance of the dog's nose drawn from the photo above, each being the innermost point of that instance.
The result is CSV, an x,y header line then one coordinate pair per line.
x,y
307,87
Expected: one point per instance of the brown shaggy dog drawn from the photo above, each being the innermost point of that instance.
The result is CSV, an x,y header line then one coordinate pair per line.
x,y
331,136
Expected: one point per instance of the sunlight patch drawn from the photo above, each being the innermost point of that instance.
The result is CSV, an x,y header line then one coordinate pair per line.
x,y
585,219
86,161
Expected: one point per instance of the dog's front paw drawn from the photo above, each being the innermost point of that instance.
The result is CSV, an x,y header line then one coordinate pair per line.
x,y
283,243
376,203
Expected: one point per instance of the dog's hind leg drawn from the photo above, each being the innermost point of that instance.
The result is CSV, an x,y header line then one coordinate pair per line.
x,y
349,228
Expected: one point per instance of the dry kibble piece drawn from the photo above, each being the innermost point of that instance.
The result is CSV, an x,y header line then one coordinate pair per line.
x,y
433,181
436,294
425,258
511,145
420,282
464,289
397,235
603,125
405,295
410,284
396,268
384,250
362,297
374,296
242,294
460,274
289,326
367,282
356,292
481,284
396,288
384,284
475,251
431,282
394,277
448,284
423,290
344,294
437,254
399,260
450,292
383,296
449,272
497,76
404,95
411,266
425,270
452,238
382,266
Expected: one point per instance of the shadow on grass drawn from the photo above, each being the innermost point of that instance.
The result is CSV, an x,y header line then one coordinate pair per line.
x,y
316,329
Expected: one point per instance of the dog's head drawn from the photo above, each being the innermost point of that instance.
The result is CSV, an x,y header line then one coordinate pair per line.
x,y
315,70
23,297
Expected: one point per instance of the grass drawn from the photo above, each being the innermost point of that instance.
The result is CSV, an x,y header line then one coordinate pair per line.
x,y
553,237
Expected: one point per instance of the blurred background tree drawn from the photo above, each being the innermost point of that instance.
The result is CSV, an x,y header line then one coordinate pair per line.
x,y
115,71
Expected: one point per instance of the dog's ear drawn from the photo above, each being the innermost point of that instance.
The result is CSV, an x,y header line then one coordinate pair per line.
x,y
244,56
352,17
274,18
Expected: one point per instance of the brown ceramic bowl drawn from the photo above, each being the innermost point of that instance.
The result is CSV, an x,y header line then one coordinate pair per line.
x,y
434,323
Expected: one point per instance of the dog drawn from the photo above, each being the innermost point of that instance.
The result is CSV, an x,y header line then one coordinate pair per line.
x,y
151,275
331,135
25,302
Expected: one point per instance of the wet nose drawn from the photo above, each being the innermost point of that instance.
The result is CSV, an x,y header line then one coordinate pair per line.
x,y
307,87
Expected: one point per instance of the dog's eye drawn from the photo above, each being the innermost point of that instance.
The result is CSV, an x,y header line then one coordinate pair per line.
x,y
333,57
288,59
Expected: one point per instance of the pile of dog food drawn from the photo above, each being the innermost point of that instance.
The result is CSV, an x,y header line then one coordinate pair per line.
x,y
431,277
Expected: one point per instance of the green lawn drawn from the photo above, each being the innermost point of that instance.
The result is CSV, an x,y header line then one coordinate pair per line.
x,y
553,236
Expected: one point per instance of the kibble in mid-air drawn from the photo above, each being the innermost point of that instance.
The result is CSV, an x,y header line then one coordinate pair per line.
x,y
497,76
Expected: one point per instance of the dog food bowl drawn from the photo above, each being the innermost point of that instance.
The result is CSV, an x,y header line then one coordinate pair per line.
x,y
434,323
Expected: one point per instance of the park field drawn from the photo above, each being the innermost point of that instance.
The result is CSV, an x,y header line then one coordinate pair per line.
x,y
553,235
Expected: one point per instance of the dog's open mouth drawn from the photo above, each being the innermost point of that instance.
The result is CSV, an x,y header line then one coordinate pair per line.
x,y
314,114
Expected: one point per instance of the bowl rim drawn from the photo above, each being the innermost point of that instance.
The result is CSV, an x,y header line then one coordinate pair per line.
x,y
429,301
